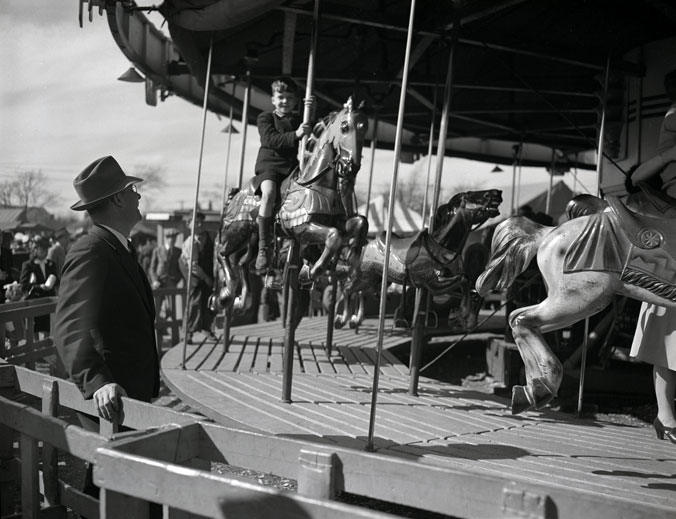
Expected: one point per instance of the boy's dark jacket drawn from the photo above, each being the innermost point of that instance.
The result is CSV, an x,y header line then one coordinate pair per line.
x,y
279,143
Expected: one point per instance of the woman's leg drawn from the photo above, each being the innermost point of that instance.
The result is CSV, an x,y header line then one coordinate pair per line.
x,y
665,390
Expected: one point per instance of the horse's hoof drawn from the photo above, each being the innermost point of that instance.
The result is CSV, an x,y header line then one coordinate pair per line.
x,y
305,275
353,324
520,400
541,393
338,324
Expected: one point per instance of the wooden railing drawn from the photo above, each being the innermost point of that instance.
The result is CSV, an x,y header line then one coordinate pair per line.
x,y
22,347
169,307
165,459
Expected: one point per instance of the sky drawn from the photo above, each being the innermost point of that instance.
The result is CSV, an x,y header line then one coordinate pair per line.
x,y
61,107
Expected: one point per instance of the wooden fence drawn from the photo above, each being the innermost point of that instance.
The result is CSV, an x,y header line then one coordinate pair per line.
x,y
169,306
20,346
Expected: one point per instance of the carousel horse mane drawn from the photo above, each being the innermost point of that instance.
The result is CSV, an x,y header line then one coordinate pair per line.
x,y
446,211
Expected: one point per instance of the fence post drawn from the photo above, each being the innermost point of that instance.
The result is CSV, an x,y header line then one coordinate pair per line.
x,y
318,474
115,505
50,459
7,475
30,340
30,485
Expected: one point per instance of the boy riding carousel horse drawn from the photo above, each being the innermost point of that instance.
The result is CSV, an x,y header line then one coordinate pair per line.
x,y
280,130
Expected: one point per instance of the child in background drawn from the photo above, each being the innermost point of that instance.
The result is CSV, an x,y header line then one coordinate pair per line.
x,y
280,131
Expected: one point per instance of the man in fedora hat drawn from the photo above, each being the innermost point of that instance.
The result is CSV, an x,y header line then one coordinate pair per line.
x,y
105,314
164,269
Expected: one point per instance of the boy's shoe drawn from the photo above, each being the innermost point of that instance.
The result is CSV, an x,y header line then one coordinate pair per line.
x,y
263,260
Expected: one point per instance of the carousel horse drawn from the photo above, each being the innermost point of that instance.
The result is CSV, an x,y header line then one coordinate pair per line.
x,y
431,261
606,248
318,210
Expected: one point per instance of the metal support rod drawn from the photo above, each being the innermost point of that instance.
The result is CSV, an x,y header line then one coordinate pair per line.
x,y
552,169
421,295
517,202
599,169
331,314
602,131
430,146
443,130
417,339
245,124
307,111
186,309
227,314
374,144
583,366
388,240
290,329
227,152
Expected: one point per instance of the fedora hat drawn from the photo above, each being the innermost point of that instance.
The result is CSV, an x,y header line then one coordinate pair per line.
x,y
102,178
169,232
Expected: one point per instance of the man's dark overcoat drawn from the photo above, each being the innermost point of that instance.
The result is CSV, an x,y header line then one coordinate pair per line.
x,y
164,265
105,318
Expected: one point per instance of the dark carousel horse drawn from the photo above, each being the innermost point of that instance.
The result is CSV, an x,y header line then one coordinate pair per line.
x,y
318,211
607,248
430,261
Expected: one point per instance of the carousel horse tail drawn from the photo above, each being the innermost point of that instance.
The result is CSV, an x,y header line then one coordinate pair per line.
x,y
515,244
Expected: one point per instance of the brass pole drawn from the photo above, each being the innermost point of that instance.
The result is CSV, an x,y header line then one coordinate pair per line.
x,y
194,206
388,241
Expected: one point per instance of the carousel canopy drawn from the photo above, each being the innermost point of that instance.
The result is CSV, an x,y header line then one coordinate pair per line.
x,y
525,72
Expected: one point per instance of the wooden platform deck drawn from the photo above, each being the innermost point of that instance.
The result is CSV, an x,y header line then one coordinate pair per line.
x,y
446,425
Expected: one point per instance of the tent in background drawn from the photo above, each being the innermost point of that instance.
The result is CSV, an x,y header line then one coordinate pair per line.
x,y
535,195
560,196
407,222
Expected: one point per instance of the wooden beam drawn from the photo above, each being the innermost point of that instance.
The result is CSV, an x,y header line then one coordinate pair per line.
x,y
59,433
171,443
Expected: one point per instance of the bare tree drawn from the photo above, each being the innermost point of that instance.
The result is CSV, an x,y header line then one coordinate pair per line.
x,y
31,188
7,192
27,189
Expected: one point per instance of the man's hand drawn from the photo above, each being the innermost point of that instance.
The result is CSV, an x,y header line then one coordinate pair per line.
x,y
107,400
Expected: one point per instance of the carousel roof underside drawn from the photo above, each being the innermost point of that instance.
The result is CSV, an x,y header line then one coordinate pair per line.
x,y
523,71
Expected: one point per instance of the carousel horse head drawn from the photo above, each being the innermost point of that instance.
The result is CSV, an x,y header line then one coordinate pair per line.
x,y
475,206
344,132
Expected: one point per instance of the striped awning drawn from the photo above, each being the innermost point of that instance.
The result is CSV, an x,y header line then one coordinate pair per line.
x,y
406,221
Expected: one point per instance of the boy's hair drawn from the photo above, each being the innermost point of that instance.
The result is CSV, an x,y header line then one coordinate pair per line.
x,y
670,84
284,84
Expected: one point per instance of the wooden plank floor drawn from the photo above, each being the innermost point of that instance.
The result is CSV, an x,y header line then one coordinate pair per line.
x,y
445,425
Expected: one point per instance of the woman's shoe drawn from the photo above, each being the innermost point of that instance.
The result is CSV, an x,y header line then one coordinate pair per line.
x,y
661,431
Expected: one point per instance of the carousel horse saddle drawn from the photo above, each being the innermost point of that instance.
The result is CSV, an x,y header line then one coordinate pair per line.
x,y
652,202
647,231
408,250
